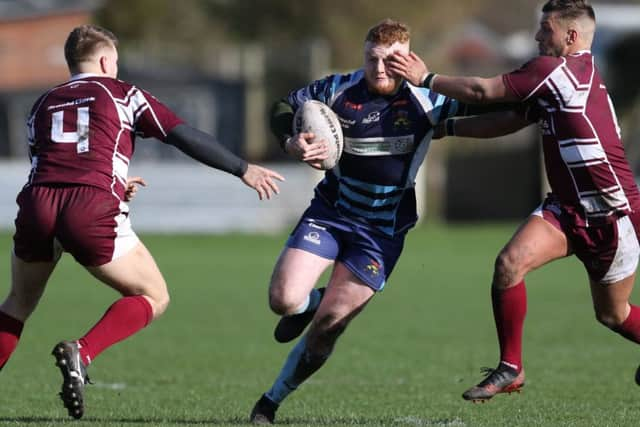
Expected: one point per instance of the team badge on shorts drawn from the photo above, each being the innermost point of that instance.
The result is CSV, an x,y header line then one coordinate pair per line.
x,y
373,268
313,237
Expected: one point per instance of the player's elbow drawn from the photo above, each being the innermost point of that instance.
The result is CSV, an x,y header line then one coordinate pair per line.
x,y
480,95
482,91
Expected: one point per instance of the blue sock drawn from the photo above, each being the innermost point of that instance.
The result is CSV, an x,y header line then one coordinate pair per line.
x,y
314,299
312,302
285,383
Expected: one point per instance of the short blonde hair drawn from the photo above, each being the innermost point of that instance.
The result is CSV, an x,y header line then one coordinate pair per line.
x,y
83,41
388,32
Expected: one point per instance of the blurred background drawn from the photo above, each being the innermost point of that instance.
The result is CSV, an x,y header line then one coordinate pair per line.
x,y
221,63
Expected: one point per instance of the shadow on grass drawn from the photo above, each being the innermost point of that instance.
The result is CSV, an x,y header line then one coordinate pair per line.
x,y
238,421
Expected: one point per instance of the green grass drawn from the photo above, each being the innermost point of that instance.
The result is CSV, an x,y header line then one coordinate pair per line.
x,y
404,361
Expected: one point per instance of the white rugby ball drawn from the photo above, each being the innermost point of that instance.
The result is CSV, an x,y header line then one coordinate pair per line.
x,y
315,116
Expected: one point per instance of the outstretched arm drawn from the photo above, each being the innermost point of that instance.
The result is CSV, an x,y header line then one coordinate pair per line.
x,y
473,90
204,148
491,125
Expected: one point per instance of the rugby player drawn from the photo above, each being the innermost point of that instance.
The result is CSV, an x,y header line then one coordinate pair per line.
x,y
81,139
592,210
361,210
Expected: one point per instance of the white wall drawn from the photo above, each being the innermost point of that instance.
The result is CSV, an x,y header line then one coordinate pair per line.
x,y
189,197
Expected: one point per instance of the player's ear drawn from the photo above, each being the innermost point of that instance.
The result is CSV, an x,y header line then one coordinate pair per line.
x,y
572,36
104,64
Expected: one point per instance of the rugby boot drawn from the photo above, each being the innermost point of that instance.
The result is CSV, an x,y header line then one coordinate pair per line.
x,y
264,411
290,327
503,379
74,376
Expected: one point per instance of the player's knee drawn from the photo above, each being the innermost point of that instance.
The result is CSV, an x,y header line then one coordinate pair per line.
x,y
611,320
506,269
329,327
282,306
283,302
159,304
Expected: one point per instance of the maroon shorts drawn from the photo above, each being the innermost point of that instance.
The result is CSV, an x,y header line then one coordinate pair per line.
x,y
608,251
90,223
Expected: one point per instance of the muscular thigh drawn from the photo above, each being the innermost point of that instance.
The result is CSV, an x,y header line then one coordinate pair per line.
x,y
539,240
536,243
296,273
134,273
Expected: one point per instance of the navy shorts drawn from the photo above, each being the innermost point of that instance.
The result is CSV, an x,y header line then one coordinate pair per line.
x,y
367,253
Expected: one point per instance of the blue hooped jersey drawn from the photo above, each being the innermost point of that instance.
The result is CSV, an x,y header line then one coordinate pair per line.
x,y
385,142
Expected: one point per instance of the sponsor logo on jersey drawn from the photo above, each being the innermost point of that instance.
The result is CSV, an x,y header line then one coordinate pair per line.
x,y
353,106
402,145
71,103
379,146
401,119
346,123
312,237
372,117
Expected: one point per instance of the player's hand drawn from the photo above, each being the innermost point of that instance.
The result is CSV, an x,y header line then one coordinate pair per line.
x,y
313,153
262,180
132,187
410,67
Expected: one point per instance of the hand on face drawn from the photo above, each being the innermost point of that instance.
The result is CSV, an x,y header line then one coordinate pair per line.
x,y
380,78
409,66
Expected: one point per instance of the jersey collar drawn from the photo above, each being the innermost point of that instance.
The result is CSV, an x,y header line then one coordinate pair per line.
x,y
82,76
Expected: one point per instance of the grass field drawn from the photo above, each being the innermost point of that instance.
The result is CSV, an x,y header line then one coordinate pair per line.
x,y
404,361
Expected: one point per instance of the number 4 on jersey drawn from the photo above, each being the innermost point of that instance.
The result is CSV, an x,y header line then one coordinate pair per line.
x,y
79,137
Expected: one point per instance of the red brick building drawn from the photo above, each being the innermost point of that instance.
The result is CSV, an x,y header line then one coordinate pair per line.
x,y
32,35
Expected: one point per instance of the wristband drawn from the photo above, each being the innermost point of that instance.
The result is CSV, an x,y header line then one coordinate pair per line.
x,y
450,127
428,81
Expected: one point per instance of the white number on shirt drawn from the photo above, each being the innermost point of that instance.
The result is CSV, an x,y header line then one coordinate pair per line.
x,y
80,136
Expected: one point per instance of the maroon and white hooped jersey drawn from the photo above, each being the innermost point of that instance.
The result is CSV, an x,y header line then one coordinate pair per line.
x,y
83,131
584,156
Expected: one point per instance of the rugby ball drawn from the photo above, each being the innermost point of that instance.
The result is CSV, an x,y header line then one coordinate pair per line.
x,y
317,117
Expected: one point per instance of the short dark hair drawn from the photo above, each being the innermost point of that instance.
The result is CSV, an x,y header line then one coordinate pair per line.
x,y
83,41
569,9
388,32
